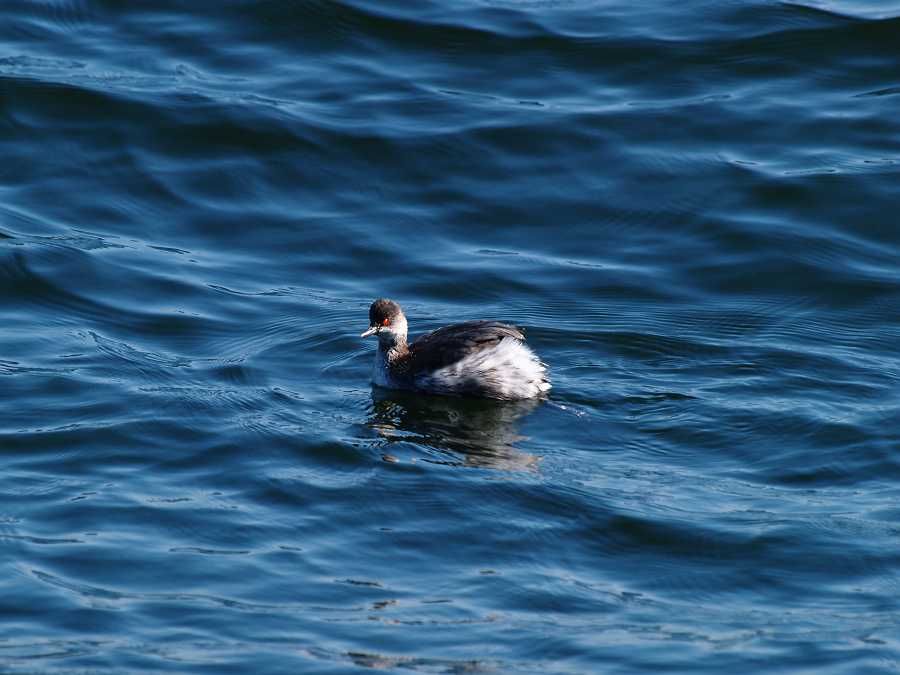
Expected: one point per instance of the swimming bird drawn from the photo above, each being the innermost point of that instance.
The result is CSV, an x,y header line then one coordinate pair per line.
x,y
488,359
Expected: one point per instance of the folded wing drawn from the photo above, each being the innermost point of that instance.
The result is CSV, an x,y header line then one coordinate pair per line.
x,y
450,344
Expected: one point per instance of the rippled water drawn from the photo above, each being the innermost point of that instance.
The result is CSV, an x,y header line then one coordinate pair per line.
x,y
690,208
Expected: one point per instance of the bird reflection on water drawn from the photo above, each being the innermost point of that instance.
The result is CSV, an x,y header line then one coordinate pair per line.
x,y
460,432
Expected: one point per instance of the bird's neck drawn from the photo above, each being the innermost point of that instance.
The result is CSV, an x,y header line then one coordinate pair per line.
x,y
393,350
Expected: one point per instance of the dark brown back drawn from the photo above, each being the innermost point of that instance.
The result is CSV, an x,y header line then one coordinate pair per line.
x,y
450,344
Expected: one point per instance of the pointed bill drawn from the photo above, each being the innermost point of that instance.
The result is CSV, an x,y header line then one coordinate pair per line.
x,y
370,331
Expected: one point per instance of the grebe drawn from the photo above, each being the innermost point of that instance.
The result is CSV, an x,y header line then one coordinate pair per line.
x,y
476,358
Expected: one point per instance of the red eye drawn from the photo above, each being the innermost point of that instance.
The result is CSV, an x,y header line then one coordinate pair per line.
x,y
386,322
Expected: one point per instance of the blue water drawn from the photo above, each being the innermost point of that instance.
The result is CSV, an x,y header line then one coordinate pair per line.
x,y
690,208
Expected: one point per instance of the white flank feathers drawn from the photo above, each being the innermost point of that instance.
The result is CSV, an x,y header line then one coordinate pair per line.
x,y
511,370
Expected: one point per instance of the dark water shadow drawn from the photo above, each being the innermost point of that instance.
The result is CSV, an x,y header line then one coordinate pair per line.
x,y
467,432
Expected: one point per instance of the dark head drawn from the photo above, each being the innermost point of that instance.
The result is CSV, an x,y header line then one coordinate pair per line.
x,y
387,321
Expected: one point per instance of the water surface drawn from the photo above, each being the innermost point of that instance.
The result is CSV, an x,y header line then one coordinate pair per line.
x,y
689,208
